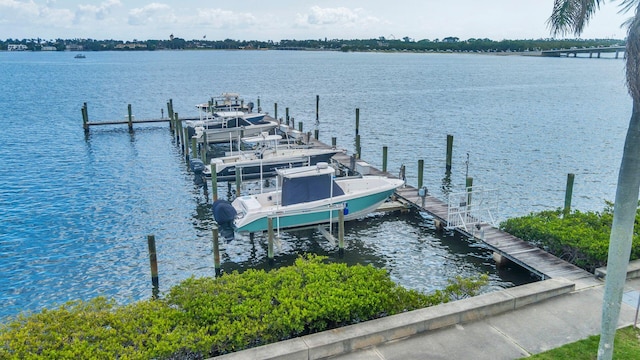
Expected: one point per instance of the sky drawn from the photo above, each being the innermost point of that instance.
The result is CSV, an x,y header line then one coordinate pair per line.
x,y
293,19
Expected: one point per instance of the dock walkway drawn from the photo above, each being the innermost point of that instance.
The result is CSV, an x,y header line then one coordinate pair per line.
x,y
526,255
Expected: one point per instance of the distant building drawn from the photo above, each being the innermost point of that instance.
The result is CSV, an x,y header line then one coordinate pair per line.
x,y
49,48
16,47
74,47
131,46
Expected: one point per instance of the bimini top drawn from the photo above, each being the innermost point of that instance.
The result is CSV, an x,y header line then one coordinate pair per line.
x,y
308,183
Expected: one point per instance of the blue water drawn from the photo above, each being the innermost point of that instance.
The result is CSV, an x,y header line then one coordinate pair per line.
x,y
75,209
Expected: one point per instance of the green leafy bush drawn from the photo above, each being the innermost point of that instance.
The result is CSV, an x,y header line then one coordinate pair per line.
x,y
581,238
205,317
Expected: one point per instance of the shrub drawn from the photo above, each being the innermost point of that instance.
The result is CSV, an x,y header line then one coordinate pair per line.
x,y
205,317
581,238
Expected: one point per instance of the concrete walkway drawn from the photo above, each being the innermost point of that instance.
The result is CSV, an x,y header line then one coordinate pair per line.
x,y
508,324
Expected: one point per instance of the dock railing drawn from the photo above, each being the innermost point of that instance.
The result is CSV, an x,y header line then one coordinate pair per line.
x,y
473,207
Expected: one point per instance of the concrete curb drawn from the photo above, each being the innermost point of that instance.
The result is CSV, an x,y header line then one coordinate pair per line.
x,y
354,337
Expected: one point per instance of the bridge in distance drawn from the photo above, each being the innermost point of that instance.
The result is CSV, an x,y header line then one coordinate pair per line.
x,y
591,51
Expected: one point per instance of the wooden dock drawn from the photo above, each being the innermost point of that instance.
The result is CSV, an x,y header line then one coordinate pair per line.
x,y
504,245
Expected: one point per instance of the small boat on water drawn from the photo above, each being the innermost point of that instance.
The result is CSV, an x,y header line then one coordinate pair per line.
x,y
267,155
80,56
311,195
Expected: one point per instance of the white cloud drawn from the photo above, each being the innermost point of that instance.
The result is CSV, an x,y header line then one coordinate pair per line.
x,y
99,12
152,13
218,18
340,16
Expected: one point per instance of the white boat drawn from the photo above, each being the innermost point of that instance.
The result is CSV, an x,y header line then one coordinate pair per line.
x,y
311,195
227,126
267,154
228,101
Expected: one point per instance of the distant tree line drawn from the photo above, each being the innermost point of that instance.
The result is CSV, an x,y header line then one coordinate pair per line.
x,y
448,44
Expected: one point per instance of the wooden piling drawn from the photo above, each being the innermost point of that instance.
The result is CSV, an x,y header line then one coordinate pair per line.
x,y
85,118
178,127
568,194
420,172
449,151
334,142
316,134
358,155
216,251
153,260
185,143
214,181
385,150
317,108
286,114
238,180
130,118
357,121
275,111
300,126
341,233
194,146
469,186
170,115
270,238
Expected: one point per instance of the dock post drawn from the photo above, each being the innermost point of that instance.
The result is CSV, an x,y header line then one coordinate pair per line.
x,y
317,109
194,147
216,251
316,134
130,118
275,111
170,115
341,233
286,114
568,194
358,147
357,121
205,146
238,180
214,181
449,151
270,239
185,143
85,118
420,172
385,151
153,260
259,107
178,127
469,187
334,142
300,126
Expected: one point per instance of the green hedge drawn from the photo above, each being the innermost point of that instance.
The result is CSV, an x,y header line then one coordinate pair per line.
x,y
205,317
581,238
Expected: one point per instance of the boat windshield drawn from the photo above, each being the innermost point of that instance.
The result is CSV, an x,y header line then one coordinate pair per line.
x,y
297,190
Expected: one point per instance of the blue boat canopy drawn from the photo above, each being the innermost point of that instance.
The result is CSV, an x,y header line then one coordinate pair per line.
x,y
316,185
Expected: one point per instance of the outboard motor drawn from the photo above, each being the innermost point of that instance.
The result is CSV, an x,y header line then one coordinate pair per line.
x,y
224,213
197,166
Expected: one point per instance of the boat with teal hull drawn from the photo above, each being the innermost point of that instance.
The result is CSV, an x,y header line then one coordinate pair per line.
x,y
312,195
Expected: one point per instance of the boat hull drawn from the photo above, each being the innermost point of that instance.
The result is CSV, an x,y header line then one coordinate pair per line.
x,y
297,216
267,168
223,135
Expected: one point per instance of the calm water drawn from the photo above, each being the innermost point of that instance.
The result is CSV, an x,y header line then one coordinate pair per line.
x,y
75,210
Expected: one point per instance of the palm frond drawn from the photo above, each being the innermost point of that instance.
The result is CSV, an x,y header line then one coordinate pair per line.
x,y
573,15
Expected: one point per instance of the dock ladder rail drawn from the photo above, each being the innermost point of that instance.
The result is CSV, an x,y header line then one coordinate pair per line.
x,y
473,207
